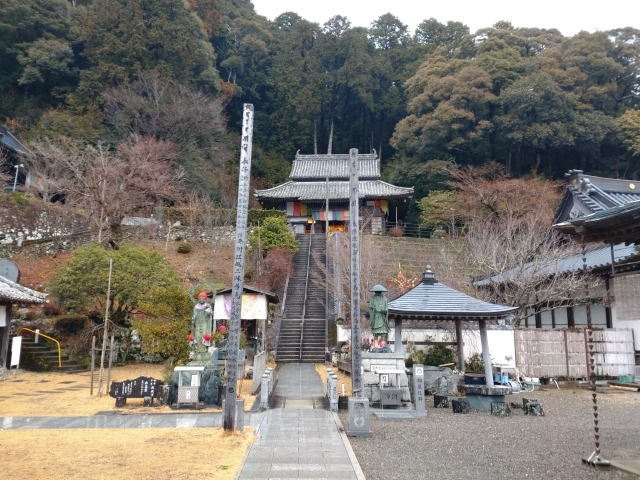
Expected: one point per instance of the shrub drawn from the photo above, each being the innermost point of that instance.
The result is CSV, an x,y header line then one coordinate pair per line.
x,y
184,248
20,198
396,231
70,324
52,307
273,233
277,266
438,355
474,364
164,328
81,283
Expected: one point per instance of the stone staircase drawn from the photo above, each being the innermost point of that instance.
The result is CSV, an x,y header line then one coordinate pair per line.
x,y
304,341
43,357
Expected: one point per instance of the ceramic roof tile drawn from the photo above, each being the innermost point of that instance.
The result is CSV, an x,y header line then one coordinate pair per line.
x,y
300,191
15,293
309,167
438,299
597,258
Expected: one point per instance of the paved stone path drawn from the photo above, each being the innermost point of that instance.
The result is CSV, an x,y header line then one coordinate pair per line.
x,y
186,420
298,441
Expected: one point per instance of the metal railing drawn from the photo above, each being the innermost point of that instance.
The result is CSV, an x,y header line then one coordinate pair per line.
x,y
304,305
282,307
408,230
38,334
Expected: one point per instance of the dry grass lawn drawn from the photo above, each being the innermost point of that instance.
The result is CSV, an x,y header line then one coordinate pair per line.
x,y
122,453
60,394
343,378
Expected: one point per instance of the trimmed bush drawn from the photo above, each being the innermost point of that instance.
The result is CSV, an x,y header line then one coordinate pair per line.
x,y
70,324
184,248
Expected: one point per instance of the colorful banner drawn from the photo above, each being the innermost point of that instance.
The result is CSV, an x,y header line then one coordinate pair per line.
x,y
294,209
33,181
381,204
337,215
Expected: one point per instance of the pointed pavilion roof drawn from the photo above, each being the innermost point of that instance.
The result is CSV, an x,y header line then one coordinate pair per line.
x,y
432,300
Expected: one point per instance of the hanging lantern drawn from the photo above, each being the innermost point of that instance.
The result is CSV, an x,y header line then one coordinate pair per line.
x,y
222,328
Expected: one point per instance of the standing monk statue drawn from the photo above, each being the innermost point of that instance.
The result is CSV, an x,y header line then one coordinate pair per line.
x,y
201,325
379,313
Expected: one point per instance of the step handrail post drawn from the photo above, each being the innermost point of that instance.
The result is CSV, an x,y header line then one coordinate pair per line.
x,y
306,288
37,333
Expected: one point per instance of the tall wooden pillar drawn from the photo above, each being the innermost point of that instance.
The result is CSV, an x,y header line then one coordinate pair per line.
x,y
460,345
486,356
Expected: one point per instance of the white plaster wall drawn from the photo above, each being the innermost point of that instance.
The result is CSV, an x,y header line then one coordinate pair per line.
x,y
501,342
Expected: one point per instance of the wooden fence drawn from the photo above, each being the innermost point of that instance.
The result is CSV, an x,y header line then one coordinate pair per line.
x,y
563,353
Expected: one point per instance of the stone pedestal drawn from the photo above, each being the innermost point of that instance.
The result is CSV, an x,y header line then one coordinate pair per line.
x,y
371,380
460,405
500,409
358,418
480,397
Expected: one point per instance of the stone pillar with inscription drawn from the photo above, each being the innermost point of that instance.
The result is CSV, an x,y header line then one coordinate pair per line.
x,y
418,391
358,404
237,281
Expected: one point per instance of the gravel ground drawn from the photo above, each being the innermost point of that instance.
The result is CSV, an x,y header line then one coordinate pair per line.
x,y
445,445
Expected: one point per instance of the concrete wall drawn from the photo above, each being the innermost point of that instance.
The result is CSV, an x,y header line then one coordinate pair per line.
x,y
501,341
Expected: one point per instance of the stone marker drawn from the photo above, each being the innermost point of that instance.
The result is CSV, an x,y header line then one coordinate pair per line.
x,y
333,399
500,409
418,390
440,401
358,417
240,414
264,391
534,408
460,405
147,401
120,402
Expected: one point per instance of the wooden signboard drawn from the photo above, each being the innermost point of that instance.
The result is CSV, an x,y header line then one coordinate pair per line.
x,y
139,388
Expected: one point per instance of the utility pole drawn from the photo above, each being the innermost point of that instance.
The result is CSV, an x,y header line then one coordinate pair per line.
x,y
229,414
106,330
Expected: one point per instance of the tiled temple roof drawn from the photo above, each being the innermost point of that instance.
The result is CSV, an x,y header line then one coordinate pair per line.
x,y
8,140
309,191
15,293
600,193
317,167
598,257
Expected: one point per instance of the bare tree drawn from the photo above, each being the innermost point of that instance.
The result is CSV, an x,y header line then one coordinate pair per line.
x,y
193,121
211,220
107,185
507,252
49,165
4,166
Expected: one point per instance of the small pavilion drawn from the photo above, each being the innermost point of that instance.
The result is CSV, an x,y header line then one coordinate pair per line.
x,y
431,300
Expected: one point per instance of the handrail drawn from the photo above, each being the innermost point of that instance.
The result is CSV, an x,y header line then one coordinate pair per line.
x,y
304,305
45,336
282,307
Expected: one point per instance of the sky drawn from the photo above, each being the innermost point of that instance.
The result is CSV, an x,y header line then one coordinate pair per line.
x,y
568,16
